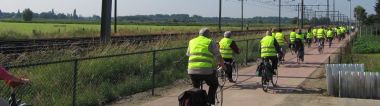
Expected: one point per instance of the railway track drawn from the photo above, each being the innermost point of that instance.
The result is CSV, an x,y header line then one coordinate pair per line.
x,y
31,45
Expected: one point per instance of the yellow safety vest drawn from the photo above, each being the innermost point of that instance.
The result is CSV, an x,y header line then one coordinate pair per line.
x,y
330,33
280,38
225,48
292,37
314,32
309,35
200,56
320,33
267,47
300,36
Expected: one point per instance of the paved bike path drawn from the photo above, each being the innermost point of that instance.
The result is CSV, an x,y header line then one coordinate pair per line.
x,y
248,91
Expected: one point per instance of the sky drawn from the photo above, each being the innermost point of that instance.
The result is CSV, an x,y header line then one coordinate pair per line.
x,y
208,8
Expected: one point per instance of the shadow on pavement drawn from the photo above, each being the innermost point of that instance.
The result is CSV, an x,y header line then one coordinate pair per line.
x,y
248,85
297,90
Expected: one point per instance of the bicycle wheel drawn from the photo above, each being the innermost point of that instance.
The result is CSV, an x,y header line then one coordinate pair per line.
x,y
275,78
221,77
219,95
235,72
264,80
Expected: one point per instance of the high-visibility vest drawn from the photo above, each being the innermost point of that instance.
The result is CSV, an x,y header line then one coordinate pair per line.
x,y
330,34
309,35
199,55
314,32
280,38
292,37
300,36
338,32
320,33
267,47
225,48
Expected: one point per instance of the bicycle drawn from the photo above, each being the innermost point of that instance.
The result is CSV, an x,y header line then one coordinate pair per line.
x,y
309,41
300,55
266,75
13,99
320,47
220,74
235,70
281,58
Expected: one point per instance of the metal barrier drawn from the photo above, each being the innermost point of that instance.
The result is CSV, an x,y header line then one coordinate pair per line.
x,y
332,74
94,80
359,84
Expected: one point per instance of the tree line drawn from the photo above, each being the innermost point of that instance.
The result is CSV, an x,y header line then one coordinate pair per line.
x,y
367,19
28,15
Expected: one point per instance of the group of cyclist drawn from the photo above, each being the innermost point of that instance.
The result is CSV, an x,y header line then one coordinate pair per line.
x,y
204,52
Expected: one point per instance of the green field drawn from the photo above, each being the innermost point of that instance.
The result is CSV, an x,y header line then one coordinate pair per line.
x,y
366,50
371,61
14,30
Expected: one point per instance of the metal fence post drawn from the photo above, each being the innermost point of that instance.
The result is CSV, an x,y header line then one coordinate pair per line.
x,y
154,72
329,59
246,53
75,82
341,56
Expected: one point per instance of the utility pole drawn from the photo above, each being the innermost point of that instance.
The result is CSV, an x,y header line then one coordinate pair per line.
x,y
242,15
220,16
279,14
298,17
105,27
334,12
328,11
302,8
349,22
115,17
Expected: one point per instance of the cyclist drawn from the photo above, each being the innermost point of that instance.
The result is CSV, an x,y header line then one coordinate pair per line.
x,y
321,36
330,35
300,43
339,33
309,37
203,52
292,38
11,81
228,47
344,31
269,49
315,29
281,41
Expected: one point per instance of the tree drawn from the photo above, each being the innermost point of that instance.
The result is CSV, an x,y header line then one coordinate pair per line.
x,y
75,16
1,14
314,21
360,14
294,20
377,7
18,15
27,15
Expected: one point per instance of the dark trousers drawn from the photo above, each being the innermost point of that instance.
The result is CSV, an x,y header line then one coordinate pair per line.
x,y
210,80
229,68
273,60
300,48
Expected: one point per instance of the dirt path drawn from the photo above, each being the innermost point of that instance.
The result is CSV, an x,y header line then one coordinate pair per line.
x,y
299,85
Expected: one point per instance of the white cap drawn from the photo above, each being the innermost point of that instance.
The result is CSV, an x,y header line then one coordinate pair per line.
x,y
203,31
227,34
